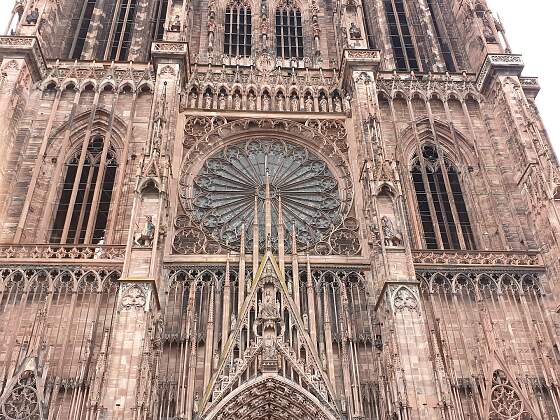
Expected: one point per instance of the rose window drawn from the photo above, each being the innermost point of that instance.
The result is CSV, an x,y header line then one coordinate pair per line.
x,y
226,188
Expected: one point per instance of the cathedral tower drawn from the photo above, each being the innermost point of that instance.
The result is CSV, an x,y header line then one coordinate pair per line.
x,y
274,209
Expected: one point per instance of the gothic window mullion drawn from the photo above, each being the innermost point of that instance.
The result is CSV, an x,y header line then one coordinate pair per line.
x,y
85,203
443,38
97,191
437,189
74,193
452,204
400,34
438,196
82,29
429,194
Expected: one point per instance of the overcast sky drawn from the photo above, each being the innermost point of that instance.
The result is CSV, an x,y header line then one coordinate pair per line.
x,y
532,30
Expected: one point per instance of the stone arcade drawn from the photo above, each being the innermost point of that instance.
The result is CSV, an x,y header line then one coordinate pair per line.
x,y
274,210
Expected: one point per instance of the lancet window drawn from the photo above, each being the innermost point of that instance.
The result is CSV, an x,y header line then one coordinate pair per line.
x,y
87,188
238,30
400,35
86,14
121,34
289,33
160,14
443,214
441,34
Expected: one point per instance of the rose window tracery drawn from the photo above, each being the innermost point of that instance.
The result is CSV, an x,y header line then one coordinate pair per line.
x,y
226,188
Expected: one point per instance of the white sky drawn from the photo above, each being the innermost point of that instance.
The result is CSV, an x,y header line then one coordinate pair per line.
x,y
532,30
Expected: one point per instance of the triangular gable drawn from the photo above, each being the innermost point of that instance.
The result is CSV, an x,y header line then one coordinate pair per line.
x,y
311,373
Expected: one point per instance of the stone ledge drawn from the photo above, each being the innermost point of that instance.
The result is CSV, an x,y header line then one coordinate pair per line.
x,y
510,64
166,52
26,47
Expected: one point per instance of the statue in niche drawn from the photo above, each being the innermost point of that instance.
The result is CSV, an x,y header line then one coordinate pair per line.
x,y
207,100
354,31
308,103
252,101
337,104
236,101
193,99
294,101
196,403
269,308
323,104
487,30
176,24
32,17
392,237
222,101
145,236
266,102
280,102
211,30
315,27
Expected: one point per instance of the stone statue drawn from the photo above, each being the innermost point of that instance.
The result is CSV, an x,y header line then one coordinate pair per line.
x,y
294,101
207,101
145,236
308,103
280,102
193,99
237,101
391,236
323,104
176,24
337,104
252,102
222,101
32,17
233,322
354,31
265,102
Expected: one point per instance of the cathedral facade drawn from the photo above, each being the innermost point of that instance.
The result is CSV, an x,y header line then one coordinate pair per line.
x,y
274,210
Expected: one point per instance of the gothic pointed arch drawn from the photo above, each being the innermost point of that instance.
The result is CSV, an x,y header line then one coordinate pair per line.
x,y
238,28
270,397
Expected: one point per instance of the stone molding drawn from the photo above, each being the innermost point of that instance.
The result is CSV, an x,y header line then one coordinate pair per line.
x,y
511,64
166,52
26,47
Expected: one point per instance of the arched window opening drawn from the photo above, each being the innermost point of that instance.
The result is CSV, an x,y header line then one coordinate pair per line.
x,y
160,15
238,31
441,34
441,205
83,207
82,29
122,34
289,33
400,35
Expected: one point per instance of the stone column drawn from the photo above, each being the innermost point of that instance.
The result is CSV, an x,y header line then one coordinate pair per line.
x,y
133,350
21,65
405,355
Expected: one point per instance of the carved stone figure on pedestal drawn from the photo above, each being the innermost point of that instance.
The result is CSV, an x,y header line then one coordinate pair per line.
x,y
32,17
145,236
354,31
176,24
252,101
391,237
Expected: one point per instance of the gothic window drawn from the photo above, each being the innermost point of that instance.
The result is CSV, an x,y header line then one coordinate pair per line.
x,y
82,29
400,35
289,33
441,205
232,185
160,14
122,33
87,188
238,30
441,34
